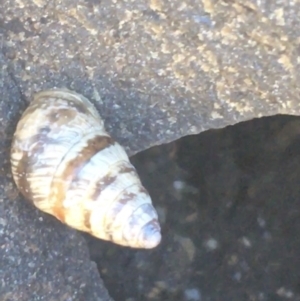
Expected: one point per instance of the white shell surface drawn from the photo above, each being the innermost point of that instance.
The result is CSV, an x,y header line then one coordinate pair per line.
x,y
65,162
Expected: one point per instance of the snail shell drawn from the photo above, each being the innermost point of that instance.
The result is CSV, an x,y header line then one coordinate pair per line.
x,y
67,165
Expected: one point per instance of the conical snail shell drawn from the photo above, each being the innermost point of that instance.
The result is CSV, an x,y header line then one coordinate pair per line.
x,y
65,162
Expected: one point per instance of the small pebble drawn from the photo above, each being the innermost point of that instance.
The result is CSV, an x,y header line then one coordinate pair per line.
x,y
31,264
178,185
261,222
237,276
246,242
211,244
188,245
285,293
192,294
191,218
267,236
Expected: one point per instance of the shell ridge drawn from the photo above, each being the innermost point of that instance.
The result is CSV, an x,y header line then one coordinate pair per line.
x,y
111,211
66,94
81,185
68,169
118,215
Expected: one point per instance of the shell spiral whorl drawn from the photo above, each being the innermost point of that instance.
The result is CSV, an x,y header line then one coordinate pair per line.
x,y
67,165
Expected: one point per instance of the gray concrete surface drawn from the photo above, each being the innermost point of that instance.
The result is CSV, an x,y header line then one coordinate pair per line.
x,y
157,71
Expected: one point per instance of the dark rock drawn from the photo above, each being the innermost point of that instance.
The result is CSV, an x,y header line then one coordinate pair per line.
x,y
36,263
230,218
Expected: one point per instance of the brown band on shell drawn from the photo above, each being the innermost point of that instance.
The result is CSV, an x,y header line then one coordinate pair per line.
x,y
118,206
61,116
147,210
154,223
87,220
28,163
109,179
127,169
67,111
73,167
103,184
79,106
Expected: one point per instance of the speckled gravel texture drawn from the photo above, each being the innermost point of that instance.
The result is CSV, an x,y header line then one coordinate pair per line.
x,y
156,70
230,217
